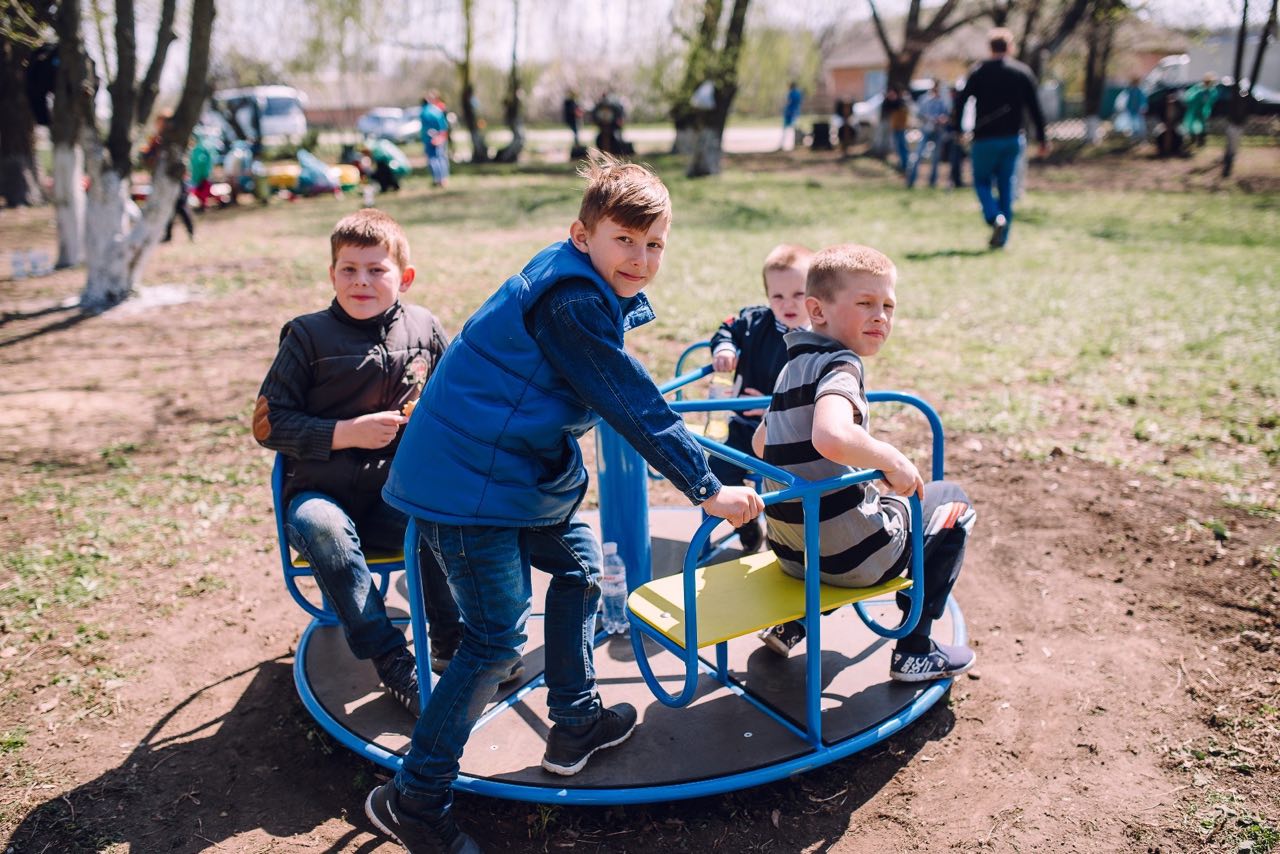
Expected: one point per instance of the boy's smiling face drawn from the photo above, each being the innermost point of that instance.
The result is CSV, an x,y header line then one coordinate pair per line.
x,y
785,288
626,258
367,280
860,315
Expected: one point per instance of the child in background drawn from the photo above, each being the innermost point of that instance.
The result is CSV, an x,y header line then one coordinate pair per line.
x,y
332,405
491,468
817,427
751,347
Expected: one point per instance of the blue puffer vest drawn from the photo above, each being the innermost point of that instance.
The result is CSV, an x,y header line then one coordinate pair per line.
x,y
494,438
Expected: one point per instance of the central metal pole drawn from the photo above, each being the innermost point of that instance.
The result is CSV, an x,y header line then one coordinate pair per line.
x,y
624,502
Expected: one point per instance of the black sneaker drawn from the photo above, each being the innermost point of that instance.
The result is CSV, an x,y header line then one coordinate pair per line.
x,y
750,537
942,660
569,748
782,639
398,671
441,655
416,834
999,232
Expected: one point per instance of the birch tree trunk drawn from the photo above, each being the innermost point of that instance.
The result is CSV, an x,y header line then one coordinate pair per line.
x,y
69,202
119,239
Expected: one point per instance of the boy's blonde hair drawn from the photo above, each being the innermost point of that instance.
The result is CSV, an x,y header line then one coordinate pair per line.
x,y
786,256
829,270
627,193
370,227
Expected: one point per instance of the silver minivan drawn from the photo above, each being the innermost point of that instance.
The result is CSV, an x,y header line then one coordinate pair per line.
x,y
271,113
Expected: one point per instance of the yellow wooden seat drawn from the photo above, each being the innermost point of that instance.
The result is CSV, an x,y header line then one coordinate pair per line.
x,y
739,597
370,559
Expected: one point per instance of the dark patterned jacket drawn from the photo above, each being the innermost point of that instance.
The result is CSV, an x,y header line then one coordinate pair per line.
x,y
331,367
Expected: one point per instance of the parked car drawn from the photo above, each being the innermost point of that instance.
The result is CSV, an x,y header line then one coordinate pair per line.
x,y
393,123
272,112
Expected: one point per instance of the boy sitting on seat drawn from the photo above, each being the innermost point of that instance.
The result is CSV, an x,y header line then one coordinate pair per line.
x,y
332,404
491,468
817,427
751,346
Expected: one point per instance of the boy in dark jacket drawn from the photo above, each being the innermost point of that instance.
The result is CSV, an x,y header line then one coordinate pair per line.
x,y
751,346
491,469
332,404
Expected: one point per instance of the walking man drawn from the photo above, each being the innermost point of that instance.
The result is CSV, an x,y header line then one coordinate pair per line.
x,y
1003,89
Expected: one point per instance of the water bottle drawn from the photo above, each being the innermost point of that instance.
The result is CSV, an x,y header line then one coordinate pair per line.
x,y
721,388
613,592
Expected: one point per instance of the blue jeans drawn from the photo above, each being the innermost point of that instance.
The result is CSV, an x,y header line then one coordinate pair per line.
x,y
488,571
438,162
900,145
995,159
332,542
933,139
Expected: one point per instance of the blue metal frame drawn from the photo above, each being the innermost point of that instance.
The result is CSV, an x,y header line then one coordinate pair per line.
x,y
293,573
809,493
624,519
823,755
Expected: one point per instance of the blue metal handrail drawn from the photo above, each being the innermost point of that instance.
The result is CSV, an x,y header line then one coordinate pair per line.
x,y
810,494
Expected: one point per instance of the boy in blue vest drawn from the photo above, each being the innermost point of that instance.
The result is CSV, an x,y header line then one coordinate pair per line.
x,y
491,468
750,346
332,405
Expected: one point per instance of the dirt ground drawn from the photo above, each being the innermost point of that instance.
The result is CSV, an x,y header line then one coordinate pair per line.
x,y
1126,697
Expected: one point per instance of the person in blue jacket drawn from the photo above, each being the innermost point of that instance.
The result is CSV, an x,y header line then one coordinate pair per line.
x,y
491,469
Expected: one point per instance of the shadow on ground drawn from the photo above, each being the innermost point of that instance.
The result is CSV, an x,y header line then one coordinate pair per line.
x,y
264,766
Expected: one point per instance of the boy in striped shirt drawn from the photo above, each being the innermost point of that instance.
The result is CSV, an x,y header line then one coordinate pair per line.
x,y
817,427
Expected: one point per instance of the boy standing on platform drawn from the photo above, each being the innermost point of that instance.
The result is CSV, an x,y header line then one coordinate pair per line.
x,y
491,468
817,427
751,346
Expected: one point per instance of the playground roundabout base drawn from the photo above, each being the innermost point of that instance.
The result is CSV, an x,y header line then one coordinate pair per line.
x,y
731,737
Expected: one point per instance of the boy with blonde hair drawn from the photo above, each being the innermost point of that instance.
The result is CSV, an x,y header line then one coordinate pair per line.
x,y
817,426
332,404
491,468
750,345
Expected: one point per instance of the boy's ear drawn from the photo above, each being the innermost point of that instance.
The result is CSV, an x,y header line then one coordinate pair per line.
x,y
578,234
407,275
814,306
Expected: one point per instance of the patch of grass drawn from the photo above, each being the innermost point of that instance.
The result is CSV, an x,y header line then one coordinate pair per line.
x,y
202,584
12,740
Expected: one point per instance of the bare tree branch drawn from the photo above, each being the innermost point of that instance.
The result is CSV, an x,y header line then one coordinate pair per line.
x,y
122,91
880,30
150,87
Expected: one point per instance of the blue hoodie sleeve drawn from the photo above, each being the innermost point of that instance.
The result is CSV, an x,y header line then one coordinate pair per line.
x,y
578,336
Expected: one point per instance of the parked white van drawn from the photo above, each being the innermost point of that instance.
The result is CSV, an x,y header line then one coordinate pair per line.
x,y
273,113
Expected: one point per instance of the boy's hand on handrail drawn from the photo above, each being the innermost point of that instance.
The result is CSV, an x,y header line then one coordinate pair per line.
x,y
372,431
752,392
905,479
737,505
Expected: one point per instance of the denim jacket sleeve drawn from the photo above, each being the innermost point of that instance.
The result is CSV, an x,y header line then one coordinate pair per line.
x,y
575,332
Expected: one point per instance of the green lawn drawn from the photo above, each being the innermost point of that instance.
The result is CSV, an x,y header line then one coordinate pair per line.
x,y
1134,327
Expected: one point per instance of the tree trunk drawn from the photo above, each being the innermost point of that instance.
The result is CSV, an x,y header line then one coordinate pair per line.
x,y
1102,28
19,183
1238,109
709,134
511,106
73,90
69,202
119,238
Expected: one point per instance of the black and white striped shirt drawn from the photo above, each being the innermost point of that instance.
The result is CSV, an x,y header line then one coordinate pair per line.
x,y
862,536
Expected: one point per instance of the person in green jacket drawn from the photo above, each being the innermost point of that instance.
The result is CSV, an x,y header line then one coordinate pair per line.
x,y
1199,99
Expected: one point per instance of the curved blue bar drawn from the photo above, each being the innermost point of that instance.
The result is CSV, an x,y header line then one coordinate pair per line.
x,y
556,794
688,351
935,423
